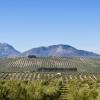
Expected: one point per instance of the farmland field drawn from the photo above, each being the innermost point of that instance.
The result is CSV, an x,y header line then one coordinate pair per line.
x,y
24,64
49,78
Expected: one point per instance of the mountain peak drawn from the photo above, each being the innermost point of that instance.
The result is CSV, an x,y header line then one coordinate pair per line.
x,y
61,50
7,50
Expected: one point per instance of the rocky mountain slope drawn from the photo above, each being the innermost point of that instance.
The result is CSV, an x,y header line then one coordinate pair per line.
x,y
7,50
59,51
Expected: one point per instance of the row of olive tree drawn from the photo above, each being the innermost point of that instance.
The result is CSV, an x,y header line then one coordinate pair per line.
x,y
25,90
83,90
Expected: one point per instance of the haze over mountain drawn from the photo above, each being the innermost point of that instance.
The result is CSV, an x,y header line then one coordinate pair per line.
x,y
59,50
7,50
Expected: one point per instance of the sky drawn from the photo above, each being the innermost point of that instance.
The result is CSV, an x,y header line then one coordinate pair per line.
x,y
27,24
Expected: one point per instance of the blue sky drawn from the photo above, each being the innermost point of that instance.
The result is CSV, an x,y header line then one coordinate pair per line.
x,y
31,23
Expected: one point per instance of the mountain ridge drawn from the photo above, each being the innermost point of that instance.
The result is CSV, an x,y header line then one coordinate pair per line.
x,y
60,50
7,50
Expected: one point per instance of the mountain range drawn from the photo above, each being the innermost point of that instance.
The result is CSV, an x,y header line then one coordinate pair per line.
x,y
59,50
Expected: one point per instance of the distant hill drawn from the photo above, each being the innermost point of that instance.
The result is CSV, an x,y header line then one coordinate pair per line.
x,y
7,50
59,51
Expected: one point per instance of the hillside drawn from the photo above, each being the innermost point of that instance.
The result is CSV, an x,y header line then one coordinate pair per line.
x,y
59,51
50,64
7,50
